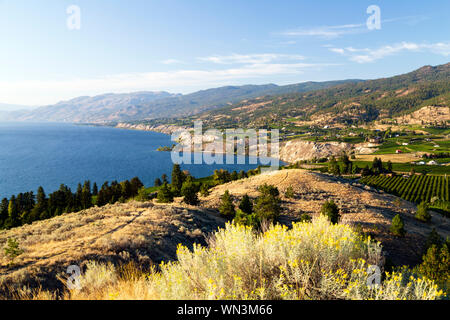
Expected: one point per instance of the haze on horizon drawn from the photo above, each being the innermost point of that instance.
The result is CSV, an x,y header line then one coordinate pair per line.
x,y
181,47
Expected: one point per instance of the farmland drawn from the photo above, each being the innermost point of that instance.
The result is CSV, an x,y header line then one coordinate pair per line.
x,y
418,188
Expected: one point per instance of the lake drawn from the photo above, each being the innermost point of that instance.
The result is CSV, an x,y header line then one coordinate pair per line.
x,y
37,154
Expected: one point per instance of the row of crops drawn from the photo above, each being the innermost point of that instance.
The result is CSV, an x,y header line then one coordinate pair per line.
x,y
416,189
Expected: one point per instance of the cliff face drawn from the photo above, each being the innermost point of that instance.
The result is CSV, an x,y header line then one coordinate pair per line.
x,y
167,129
296,150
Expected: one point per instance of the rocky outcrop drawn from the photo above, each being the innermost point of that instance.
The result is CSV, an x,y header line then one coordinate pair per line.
x,y
297,150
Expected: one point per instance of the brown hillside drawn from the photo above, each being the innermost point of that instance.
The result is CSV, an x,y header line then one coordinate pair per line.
x,y
144,232
359,205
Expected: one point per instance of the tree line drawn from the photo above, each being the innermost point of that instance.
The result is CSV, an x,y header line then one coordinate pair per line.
x,y
27,207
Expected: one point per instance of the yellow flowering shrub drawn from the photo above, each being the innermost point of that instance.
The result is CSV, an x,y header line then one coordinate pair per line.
x,y
315,260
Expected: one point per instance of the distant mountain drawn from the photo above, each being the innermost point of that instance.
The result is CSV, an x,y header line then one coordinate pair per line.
x,y
13,107
99,108
153,105
349,103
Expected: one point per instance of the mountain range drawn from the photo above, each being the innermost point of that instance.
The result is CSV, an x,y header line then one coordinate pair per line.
x,y
152,105
344,101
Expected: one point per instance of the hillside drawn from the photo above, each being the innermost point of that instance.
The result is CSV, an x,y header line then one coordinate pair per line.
x,y
149,232
143,232
151,105
345,104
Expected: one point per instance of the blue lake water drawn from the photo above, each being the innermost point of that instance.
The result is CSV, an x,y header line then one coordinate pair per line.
x,y
33,155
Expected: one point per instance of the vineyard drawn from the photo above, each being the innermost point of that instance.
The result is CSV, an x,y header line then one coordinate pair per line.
x,y
430,189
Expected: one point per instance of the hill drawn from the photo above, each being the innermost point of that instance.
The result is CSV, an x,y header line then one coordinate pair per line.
x,y
346,104
152,105
142,232
148,233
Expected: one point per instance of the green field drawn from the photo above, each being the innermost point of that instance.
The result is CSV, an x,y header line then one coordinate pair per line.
x,y
419,188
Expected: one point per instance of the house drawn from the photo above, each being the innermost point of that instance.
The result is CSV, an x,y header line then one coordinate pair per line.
x,y
421,163
432,163
398,151
436,146
405,143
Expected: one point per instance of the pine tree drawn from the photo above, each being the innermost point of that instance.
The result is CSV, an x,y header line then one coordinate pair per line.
x,y
226,208
398,226
41,204
204,190
165,194
189,192
158,182
268,203
3,212
177,179
86,196
331,210
95,189
422,213
333,167
246,204
136,184
13,213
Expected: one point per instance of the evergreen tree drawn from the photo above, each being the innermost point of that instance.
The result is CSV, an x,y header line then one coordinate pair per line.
x,y
189,192
13,213
422,213
165,194
331,210
136,184
398,226
164,178
333,167
177,179
158,182
204,190
94,189
246,204
234,176
389,166
86,196
268,203
226,208
126,188
3,212
242,174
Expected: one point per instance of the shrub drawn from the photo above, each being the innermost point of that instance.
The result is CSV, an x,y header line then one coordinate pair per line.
x,y
267,205
331,210
189,192
246,204
304,217
12,250
226,208
289,193
246,219
422,213
398,226
317,260
436,265
164,194
204,190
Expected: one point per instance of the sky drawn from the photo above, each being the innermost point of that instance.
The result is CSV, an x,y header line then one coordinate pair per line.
x,y
53,50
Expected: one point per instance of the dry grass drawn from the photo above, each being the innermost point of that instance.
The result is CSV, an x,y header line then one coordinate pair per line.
x,y
371,210
142,232
310,261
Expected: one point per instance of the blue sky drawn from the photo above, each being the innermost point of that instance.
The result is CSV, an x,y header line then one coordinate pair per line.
x,y
184,46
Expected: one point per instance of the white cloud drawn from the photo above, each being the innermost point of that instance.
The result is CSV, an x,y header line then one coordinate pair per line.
x,y
171,61
251,58
327,32
367,55
252,68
